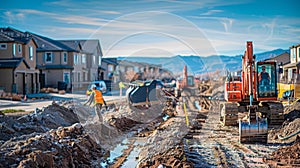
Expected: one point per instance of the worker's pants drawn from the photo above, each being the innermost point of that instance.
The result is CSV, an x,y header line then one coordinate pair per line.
x,y
98,107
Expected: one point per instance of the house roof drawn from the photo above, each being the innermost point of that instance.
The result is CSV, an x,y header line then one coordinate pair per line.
x,y
12,62
112,61
294,46
75,45
89,46
101,68
284,58
48,44
13,35
58,66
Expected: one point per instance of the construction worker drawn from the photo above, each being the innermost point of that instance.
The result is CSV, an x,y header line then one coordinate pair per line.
x,y
264,77
97,98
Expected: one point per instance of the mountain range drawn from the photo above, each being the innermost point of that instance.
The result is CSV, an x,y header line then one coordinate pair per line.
x,y
201,64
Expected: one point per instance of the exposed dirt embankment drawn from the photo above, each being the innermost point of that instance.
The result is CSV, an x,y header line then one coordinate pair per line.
x,y
62,147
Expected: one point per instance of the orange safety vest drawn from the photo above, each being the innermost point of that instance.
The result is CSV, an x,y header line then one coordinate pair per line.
x,y
98,98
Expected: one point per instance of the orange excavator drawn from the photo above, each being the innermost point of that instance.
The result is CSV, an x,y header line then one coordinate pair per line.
x,y
253,94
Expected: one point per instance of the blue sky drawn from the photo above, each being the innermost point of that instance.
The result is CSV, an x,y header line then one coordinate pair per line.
x,y
161,27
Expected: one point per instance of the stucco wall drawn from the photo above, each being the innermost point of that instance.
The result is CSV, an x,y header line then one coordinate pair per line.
x,y
53,76
7,82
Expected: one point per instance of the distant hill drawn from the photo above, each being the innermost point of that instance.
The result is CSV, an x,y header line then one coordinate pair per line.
x,y
200,64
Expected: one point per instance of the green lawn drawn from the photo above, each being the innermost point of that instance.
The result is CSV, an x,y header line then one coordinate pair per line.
x,y
12,110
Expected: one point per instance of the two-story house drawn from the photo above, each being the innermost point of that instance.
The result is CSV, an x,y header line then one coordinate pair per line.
x,y
109,64
91,55
292,70
128,71
18,62
282,61
56,63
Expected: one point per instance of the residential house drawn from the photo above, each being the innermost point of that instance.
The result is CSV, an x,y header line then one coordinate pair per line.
x,y
107,69
91,55
18,62
292,70
56,63
126,71
282,61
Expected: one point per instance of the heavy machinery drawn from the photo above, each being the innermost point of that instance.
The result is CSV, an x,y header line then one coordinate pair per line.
x,y
253,94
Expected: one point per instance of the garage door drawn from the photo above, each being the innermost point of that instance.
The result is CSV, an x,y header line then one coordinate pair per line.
x,y
20,83
29,82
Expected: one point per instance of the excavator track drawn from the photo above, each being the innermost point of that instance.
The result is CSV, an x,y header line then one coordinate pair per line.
x,y
229,114
274,113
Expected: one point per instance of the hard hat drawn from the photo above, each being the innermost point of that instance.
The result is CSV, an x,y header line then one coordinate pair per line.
x,y
93,86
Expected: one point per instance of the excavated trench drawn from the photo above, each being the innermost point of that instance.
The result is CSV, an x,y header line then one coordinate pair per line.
x,y
142,137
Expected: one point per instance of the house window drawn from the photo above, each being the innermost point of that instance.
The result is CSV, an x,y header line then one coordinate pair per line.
x,y
83,58
110,68
79,59
78,75
20,48
94,59
294,52
14,49
48,57
3,46
31,53
75,59
64,57
66,77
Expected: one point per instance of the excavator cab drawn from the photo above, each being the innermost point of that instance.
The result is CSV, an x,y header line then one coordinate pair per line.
x,y
267,81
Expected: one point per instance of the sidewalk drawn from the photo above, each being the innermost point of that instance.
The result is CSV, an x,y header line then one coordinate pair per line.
x,y
45,99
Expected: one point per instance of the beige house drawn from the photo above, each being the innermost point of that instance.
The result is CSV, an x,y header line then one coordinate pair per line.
x,y
291,71
282,61
108,68
144,71
91,55
56,63
18,62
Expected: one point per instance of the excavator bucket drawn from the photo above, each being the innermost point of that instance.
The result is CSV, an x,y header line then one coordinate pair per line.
x,y
253,132
141,94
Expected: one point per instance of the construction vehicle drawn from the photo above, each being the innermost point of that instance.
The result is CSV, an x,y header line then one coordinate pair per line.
x,y
253,94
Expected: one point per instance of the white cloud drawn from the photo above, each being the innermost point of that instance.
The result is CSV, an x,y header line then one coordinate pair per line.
x,y
211,12
12,17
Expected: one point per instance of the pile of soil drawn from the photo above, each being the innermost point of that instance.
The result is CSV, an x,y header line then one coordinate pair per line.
x,y
290,126
123,123
62,147
173,157
287,129
288,155
51,117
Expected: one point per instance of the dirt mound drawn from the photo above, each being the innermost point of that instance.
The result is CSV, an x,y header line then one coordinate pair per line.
x,y
43,120
123,123
63,147
287,129
173,157
292,107
286,155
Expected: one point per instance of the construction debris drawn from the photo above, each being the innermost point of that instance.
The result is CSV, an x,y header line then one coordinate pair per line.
x,y
286,156
123,123
61,147
173,157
